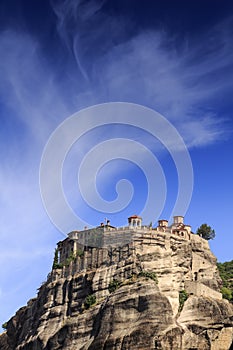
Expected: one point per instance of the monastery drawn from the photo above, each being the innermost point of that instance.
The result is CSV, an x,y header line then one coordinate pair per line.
x,y
107,246
106,235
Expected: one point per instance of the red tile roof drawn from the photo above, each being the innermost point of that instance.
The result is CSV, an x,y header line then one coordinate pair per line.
x,y
134,217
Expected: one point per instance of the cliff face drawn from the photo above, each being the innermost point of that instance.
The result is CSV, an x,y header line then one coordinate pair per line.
x,y
139,301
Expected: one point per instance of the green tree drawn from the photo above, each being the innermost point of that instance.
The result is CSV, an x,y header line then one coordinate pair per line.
x,y
206,232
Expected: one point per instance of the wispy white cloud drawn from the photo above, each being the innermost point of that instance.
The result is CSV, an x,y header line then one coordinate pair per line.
x,y
149,69
146,69
209,131
142,71
28,86
182,83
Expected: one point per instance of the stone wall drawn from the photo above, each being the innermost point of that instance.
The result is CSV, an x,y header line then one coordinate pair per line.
x,y
201,290
140,314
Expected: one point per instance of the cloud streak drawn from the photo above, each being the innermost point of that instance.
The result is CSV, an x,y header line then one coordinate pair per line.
x,y
149,68
146,67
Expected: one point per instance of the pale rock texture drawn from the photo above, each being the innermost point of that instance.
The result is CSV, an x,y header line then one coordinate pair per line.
x,y
141,313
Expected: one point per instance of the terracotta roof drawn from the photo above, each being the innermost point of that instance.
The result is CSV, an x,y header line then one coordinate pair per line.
x,y
134,217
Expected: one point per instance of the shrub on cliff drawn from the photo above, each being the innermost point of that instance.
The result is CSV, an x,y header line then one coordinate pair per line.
x,y
147,274
113,285
71,257
89,301
56,264
4,325
183,296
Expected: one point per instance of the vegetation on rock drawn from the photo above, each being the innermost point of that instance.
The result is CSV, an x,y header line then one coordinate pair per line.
x,y
147,274
79,253
56,264
227,293
206,232
226,274
183,296
4,325
89,301
113,285
74,308
72,257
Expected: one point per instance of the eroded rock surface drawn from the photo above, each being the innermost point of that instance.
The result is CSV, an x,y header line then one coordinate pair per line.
x,y
141,313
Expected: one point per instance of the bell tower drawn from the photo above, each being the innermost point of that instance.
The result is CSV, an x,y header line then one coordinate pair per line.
x,y
135,221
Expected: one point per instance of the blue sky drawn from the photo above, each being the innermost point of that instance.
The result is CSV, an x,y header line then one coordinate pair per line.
x,y
59,57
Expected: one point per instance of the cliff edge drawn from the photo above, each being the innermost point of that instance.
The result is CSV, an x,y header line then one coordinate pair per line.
x,y
159,291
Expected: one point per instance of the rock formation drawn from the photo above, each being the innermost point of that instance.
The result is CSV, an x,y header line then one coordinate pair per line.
x,y
159,291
